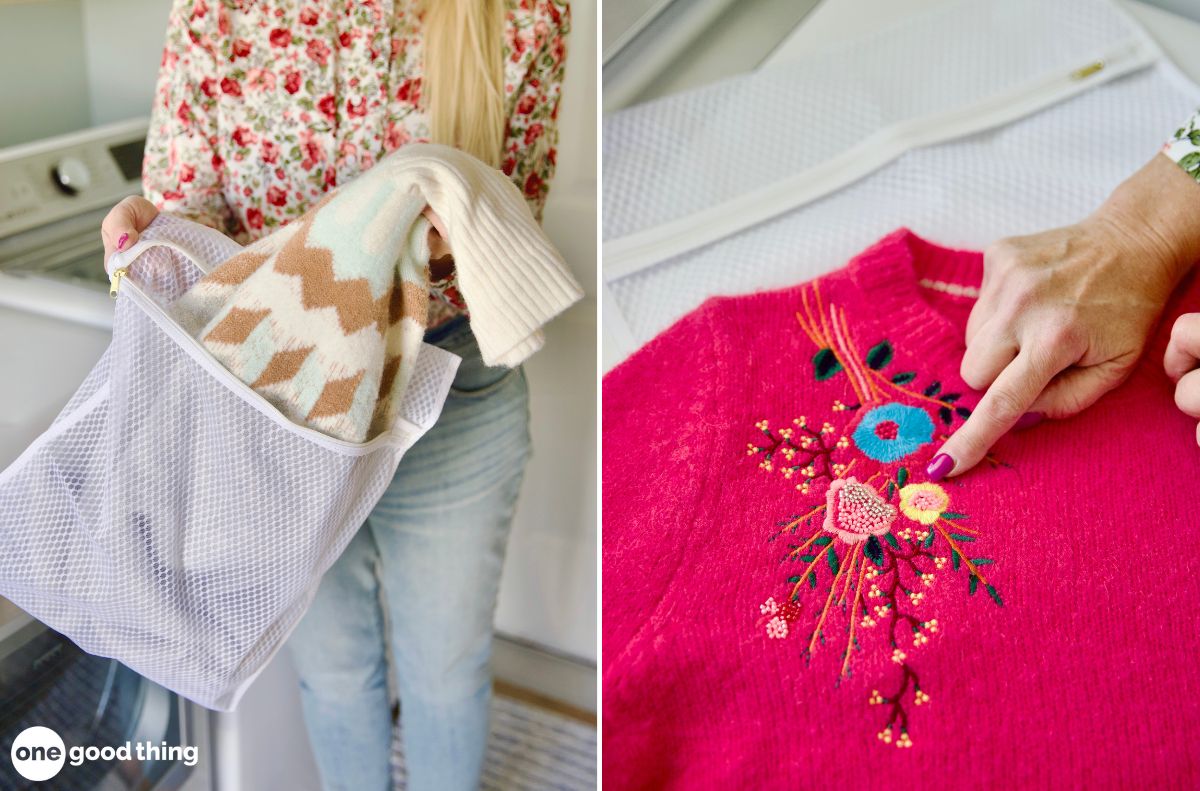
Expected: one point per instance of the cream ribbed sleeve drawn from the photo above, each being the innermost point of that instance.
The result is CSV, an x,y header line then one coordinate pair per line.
x,y
511,276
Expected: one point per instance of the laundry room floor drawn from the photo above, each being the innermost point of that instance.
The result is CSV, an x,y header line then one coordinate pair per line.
x,y
536,744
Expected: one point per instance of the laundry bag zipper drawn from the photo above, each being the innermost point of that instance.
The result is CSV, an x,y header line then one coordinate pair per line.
x,y
627,255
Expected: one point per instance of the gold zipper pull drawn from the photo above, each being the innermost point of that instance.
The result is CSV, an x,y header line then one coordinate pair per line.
x,y
115,281
1088,70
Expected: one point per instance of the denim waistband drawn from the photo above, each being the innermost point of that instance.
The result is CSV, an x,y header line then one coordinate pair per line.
x,y
454,327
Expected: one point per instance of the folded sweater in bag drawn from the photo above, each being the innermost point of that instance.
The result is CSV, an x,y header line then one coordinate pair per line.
x,y
325,317
789,602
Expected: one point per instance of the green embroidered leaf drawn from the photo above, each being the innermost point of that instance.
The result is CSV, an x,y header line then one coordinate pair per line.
x,y
823,540
891,489
946,415
794,579
874,551
904,378
953,515
928,542
1190,162
825,364
954,559
891,539
982,561
960,537
972,585
902,476
879,355
812,579
807,558
951,397
933,389
831,556
995,596
1194,137
963,412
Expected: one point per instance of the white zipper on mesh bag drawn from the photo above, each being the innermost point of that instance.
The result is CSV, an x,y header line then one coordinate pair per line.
x,y
170,517
627,255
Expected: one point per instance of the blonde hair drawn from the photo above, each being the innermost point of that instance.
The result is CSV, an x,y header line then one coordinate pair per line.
x,y
464,75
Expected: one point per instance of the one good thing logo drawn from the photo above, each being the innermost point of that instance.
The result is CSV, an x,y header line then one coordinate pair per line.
x,y
38,753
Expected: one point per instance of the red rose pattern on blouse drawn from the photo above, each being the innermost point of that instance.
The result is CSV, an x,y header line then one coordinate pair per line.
x,y
262,107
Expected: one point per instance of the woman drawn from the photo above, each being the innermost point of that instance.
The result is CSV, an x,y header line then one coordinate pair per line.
x,y
261,108
1064,315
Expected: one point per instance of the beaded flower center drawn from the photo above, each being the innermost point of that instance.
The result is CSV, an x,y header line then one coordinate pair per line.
x,y
856,511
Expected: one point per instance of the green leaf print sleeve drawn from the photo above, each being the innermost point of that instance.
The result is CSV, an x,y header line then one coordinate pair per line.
x,y
1184,146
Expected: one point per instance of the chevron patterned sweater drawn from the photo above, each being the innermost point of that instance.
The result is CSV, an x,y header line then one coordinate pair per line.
x,y
326,316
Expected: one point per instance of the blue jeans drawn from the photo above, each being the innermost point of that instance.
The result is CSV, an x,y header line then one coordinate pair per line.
x,y
422,572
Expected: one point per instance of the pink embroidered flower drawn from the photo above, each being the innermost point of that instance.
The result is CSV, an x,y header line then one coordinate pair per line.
x,y
923,502
855,511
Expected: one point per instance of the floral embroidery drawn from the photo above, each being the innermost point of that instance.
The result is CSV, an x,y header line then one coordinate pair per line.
x,y
893,431
870,548
923,502
855,511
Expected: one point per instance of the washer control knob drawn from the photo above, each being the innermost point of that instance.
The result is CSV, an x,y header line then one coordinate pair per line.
x,y
72,176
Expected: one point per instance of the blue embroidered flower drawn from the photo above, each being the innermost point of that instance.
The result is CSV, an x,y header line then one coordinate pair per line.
x,y
890,432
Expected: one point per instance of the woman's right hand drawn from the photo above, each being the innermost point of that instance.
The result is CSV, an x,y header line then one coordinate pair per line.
x,y
125,223
1063,315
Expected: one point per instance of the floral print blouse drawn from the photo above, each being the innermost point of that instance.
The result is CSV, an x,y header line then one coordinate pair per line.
x,y
1184,146
261,107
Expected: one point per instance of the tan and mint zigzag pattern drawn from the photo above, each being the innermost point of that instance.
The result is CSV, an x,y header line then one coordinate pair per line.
x,y
325,317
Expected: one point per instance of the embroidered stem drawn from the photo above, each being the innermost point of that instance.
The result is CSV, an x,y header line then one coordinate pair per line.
x,y
800,549
970,566
825,612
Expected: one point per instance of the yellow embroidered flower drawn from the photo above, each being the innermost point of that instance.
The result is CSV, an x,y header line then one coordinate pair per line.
x,y
923,502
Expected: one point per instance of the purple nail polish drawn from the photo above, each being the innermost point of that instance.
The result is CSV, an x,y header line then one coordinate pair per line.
x,y
941,464
1028,420
121,242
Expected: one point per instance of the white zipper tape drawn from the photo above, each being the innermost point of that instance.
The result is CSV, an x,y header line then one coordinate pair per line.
x,y
630,254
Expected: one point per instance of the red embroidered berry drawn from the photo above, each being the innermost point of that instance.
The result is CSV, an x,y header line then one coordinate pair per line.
x,y
887,429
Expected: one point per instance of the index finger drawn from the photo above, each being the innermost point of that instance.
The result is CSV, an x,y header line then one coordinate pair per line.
x,y
1183,350
1009,397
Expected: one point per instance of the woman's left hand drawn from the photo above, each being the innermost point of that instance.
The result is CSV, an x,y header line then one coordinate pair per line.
x,y
439,247
1180,363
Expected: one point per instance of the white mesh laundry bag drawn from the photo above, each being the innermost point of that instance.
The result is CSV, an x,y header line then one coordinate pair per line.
x,y
171,517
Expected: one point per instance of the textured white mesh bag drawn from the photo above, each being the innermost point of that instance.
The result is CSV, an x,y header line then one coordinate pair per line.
x,y
170,517
974,120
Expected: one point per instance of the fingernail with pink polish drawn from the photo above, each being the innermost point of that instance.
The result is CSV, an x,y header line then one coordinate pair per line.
x,y
939,467
121,242
1028,420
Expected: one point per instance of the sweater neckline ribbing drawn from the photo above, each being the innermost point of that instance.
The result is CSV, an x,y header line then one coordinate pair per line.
x,y
906,282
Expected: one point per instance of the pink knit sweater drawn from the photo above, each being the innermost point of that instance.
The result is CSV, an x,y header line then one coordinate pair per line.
x,y
788,603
